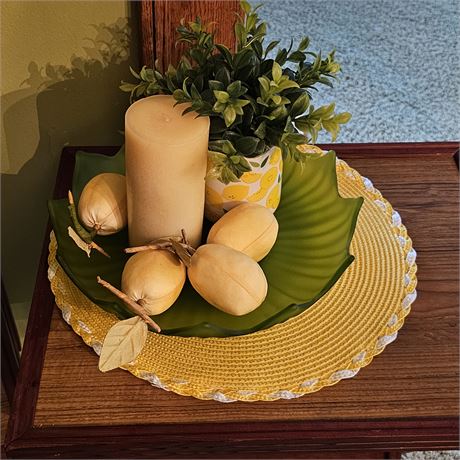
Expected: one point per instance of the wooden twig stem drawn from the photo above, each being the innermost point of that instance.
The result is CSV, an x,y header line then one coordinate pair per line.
x,y
147,247
70,197
133,306
94,245
184,236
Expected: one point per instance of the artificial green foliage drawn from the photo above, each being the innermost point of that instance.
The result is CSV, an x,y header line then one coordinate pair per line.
x,y
254,101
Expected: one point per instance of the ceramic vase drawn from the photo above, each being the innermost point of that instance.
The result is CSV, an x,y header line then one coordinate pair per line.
x,y
262,185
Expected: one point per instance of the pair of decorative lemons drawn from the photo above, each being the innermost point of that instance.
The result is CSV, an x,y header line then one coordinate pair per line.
x,y
224,271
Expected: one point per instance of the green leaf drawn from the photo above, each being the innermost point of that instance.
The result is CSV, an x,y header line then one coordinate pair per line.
x,y
286,84
221,96
247,145
277,72
342,118
317,63
260,101
331,127
226,54
170,85
140,90
258,49
295,138
304,43
281,56
304,124
279,113
243,58
240,33
297,56
197,55
147,74
171,71
194,92
240,103
244,165
184,88
185,62
260,131
229,115
134,73
234,89
228,176
188,110
219,107
217,127
245,6
223,75
264,83
222,145
179,95
300,105
325,111
271,46
127,87
216,85
251,21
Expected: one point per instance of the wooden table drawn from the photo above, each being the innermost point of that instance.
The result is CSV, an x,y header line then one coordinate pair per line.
x,y
407,399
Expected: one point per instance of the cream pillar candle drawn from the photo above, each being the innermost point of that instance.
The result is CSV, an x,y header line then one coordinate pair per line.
x,y
166,160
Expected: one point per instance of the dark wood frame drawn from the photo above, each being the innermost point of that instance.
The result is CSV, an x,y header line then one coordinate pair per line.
x,y
11,346
225,440
147,32
159,19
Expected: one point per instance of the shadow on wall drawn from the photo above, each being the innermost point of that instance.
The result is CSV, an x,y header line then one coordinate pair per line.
x,y
61,105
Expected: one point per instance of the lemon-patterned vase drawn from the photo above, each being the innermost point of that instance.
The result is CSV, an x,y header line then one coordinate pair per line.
x,y
262,185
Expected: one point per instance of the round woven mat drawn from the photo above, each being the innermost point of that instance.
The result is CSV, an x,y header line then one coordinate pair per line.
x,y
330,341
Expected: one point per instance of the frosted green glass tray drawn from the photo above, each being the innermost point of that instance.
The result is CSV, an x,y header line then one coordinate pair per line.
x,y
310,254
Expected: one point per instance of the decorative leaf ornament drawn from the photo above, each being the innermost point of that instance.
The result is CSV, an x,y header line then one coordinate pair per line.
x,y
123,343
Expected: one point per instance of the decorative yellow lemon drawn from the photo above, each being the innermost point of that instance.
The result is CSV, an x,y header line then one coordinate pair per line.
x,y
102,205
250,177
275,156
274,196
249,228
266,182
268,178
227,279
236,192
153,279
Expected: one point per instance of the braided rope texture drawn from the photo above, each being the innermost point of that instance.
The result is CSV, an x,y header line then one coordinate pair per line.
x,y
331,341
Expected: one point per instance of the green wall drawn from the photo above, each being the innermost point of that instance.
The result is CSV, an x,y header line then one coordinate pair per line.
x,y
61,64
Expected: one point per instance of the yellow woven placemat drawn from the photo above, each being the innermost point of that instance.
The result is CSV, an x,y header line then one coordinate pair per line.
x,y
330,341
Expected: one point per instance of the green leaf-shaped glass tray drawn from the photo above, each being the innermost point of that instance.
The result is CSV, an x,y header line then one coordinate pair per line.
x,y
316,226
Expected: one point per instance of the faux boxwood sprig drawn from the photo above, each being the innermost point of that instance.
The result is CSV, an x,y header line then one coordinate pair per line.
x,y
253,101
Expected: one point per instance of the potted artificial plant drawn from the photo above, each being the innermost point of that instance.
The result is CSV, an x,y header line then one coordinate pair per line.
x,y
259,106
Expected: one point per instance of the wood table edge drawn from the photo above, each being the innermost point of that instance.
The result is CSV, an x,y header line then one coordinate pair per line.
x,y
346,435
20,425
